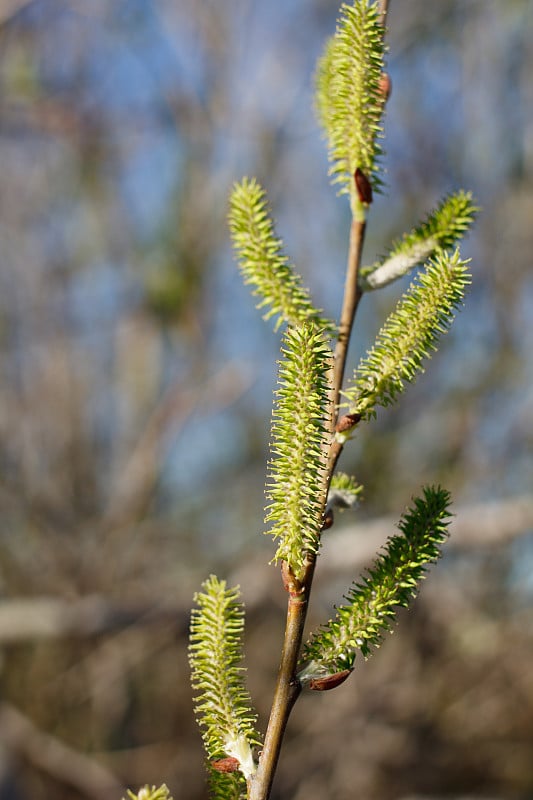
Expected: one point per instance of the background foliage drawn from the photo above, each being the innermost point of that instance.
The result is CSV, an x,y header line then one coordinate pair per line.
x,y
137,379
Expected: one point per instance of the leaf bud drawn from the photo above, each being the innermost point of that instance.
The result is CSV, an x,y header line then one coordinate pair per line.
x,y
385,86
328,519
346,422
363,186
329,681
228,764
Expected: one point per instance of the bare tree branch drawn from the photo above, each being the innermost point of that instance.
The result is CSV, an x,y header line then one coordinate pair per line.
x,y
66,765
33,618
8,9
475,526
353,548
138,475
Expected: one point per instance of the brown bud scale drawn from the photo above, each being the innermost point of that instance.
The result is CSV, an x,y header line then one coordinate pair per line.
x,y
346,422
363,186
330,681
328,519
385,85
228,764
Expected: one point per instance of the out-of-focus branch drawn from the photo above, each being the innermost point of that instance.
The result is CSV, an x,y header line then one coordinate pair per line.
x,y
8,9
44,617
475,526
137,478
354,547
19,733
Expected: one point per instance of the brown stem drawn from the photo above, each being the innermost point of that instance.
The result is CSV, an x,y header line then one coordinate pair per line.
x,y
287,688
352,296
383,8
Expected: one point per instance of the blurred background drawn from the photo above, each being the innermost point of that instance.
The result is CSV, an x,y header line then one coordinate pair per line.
x,y
137,376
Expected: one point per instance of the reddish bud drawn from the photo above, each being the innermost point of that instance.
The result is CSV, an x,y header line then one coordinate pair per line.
x,y
328,519
330,681
228,764
363,186
346,422
385,85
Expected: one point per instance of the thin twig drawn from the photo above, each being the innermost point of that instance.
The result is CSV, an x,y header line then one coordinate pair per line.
x,y
286,693
288,687
352,296
383,8
27,619
137,476
50,754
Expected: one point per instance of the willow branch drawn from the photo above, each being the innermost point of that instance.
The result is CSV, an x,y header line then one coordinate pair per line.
x,y
352,296
383,9
287,689
287,686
